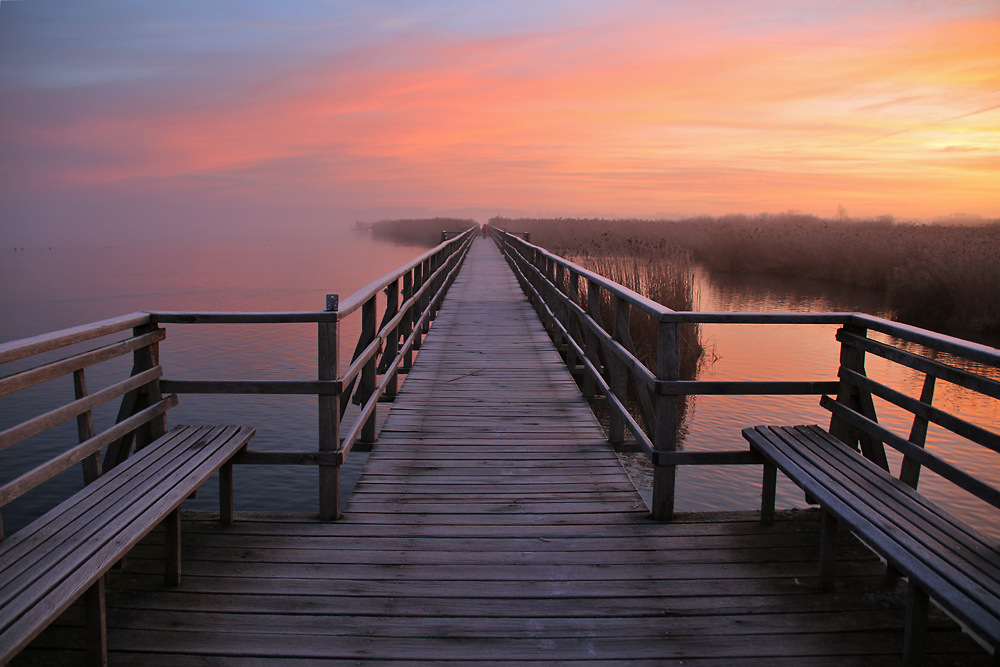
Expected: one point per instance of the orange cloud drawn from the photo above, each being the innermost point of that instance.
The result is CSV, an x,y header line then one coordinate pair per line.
x,y
626,119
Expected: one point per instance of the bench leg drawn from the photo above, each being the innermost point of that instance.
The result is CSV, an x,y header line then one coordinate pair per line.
x,y
226,493
827,549
767,491
917,608
172,548
96,624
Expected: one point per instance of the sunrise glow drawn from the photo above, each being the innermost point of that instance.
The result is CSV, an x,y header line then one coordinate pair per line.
x,y
303,112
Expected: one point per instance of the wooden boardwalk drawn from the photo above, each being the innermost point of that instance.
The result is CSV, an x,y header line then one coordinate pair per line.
x,y
494,523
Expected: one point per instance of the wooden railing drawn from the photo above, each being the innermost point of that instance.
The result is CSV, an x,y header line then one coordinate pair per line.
x,y
412,295
141,416
567,298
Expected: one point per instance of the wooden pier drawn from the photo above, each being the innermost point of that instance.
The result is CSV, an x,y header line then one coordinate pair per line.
x,y
493,523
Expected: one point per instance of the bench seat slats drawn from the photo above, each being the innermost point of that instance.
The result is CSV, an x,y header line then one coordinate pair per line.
x,y
73,545
934,526
959,570
953,474
884,529
937,560
65,528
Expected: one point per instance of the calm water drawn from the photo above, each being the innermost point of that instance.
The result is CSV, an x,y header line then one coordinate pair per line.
x,y
800,352
43,290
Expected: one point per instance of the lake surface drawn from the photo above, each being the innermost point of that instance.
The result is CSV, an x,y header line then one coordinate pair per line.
x,y
43,290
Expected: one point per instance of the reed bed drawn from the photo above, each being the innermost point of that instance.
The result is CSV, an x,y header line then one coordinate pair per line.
x,y
663,273
943,277
658,271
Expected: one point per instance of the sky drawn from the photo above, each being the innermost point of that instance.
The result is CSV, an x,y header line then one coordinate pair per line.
x,y
136,120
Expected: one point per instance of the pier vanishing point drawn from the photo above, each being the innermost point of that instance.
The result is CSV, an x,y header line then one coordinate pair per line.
x,y
493,522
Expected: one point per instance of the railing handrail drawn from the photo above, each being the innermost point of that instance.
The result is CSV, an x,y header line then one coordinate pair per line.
x,y
412,295
242,317
606,353
942,342
26,347
360,296
648,305
977,352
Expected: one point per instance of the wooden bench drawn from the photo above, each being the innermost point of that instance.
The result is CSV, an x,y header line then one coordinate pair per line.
x,y
47,565
940,555
65,553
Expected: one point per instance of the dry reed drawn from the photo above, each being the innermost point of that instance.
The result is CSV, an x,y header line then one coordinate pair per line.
x,y
943,277
663,273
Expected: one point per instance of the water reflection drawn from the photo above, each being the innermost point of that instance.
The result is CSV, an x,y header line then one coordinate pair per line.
x,y
809,352
44,290
732,292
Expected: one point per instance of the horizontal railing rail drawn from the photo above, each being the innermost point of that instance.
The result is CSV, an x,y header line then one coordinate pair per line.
x,y
141,415
396,310
19,349
568,300
411,296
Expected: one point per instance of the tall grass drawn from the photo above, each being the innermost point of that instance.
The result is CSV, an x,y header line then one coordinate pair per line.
x,y
658,271
941,277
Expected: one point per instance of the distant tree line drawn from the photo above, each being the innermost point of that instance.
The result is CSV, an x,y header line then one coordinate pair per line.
x,y
419,231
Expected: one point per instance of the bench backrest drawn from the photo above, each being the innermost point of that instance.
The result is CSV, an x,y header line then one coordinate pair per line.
x,y
855,422
141,413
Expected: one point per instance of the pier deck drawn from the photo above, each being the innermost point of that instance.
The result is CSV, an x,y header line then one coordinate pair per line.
x,y
494,523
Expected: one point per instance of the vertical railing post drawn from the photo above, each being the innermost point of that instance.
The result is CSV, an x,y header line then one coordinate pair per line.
x,y
392,342
566,284
531,255
436,261
329,413
562,312
85,429
858,399
573,322
591,344
618,380
668,365
406,325
547,294
366,387
426,299
418,281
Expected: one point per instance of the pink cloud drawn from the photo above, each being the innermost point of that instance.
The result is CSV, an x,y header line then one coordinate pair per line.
x,y
621,116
